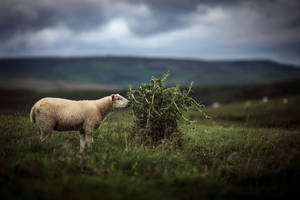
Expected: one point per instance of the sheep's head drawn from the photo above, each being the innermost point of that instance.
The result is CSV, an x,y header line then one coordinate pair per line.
x,y
119,102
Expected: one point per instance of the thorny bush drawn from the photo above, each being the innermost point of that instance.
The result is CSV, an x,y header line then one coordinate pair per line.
x,y
158,108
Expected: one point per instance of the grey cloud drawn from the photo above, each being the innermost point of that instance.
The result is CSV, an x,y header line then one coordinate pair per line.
x,y
30,15
22,18
19,17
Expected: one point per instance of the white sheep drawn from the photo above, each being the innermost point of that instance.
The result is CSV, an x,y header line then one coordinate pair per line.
x,y
265,99
66,115
216,105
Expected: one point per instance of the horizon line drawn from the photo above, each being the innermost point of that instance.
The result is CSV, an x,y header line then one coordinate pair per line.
x,y
146,57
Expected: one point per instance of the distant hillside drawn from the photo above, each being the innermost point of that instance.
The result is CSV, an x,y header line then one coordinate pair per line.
x,y
21,101
123,71
238,93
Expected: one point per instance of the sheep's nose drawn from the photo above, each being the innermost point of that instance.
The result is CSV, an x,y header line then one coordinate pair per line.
x,y
128,104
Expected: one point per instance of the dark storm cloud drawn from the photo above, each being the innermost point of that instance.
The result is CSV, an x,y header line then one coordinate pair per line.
x,y
29,15
168,13
22,16
19,16
259,26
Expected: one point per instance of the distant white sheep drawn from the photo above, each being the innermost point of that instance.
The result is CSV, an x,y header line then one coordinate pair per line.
x,y
265,99
248,103
66,115
216,105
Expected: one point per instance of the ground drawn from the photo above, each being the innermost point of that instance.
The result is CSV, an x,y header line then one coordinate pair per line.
x,y
248,151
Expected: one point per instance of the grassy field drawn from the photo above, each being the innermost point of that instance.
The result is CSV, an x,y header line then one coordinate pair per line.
x,y
243,151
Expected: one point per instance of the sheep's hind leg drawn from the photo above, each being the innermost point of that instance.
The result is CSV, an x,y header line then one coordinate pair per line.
x,y
45,134
46,125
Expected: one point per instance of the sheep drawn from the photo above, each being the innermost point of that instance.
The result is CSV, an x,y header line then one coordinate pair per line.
x,y
216,105
67,115
265,99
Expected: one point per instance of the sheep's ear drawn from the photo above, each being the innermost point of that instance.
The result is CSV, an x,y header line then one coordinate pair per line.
x,y
113,97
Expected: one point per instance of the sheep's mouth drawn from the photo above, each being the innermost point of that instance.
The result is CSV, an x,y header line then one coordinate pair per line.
x,y
128,105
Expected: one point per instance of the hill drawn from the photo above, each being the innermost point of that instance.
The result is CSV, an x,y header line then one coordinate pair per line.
x,y
238,93
20,101
116,72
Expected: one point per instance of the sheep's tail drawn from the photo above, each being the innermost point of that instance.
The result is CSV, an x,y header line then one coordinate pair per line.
x,y
32,114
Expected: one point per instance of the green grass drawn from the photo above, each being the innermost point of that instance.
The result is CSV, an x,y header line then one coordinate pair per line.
x,y
253,157
273,114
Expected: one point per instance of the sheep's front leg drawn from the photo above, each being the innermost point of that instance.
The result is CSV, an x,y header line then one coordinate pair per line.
x,y
90,126
88,129
89,138
82,140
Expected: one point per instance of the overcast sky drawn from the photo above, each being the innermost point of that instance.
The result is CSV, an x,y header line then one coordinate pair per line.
x,y
207,29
